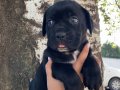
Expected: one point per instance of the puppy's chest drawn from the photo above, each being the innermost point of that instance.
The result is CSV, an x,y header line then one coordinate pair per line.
x,y
65,58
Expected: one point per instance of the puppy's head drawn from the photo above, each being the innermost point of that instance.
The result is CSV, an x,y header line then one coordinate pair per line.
x,y
65,24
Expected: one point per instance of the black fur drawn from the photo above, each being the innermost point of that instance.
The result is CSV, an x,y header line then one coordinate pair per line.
x,y
60,27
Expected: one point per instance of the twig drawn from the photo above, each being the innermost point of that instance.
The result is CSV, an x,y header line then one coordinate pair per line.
x,y
117,4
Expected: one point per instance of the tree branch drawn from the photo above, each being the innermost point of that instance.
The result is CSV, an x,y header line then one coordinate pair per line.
x,y
117,4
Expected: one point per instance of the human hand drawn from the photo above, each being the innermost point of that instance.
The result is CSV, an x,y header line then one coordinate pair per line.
x,y
54,84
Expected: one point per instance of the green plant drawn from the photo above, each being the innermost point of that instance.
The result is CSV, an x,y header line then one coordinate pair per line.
x,y
110,49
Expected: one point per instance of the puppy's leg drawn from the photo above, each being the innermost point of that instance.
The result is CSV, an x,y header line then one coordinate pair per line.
x,y
91,73
66,74
39,82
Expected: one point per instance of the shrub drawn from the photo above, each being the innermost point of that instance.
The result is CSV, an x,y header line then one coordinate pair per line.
x,y
110,49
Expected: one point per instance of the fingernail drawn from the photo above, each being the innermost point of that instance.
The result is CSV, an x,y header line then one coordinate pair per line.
x,y
88,45
49,58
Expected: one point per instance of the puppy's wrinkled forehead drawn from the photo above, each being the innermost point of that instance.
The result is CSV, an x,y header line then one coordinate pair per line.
x,y
64,10
63,13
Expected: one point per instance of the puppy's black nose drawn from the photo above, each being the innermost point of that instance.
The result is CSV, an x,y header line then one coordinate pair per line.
x,y
60,36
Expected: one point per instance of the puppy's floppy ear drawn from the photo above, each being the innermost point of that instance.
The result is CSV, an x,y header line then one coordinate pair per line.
x,y
44,25
89,21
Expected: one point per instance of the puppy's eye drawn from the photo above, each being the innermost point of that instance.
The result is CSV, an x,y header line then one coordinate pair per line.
x,y
74,20
50,23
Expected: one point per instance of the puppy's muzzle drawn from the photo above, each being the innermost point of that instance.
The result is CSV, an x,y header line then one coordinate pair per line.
x,y
60,36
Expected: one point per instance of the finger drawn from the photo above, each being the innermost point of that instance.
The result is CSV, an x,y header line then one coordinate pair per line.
x,y
83,55
48,67
52,84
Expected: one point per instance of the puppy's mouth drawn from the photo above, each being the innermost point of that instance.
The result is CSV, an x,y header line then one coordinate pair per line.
x,y
62,48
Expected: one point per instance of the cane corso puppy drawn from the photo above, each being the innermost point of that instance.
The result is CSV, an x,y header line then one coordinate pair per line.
x,y
66,24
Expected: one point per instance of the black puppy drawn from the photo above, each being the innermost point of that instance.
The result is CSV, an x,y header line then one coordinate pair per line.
x,y
66,24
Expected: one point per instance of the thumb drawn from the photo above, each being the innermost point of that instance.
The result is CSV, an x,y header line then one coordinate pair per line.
x,y
82,57
48,67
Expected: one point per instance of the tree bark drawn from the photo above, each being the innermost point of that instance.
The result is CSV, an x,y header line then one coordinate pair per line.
x,y
17,53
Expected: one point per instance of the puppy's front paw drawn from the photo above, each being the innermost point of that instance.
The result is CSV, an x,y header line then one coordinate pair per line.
x,y
92,79
66,74
92,74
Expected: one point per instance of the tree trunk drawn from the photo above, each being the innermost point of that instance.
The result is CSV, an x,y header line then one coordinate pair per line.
x,y
17,53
